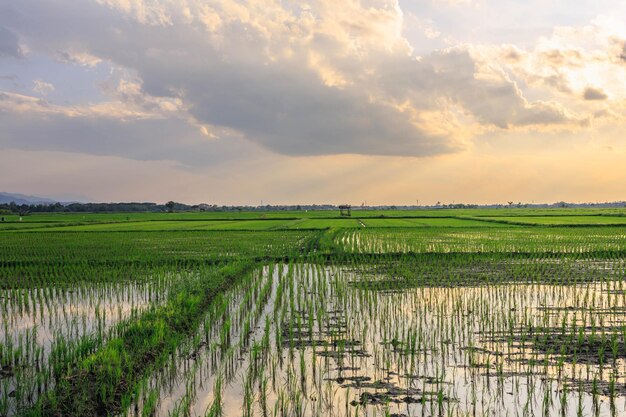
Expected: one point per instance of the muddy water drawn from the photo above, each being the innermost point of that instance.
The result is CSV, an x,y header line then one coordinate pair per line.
x,y
302,340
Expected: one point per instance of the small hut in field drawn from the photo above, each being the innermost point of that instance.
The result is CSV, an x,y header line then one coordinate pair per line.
x,y
345,210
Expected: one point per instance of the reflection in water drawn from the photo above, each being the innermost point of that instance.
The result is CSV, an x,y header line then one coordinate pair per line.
x,y
41,326
305,340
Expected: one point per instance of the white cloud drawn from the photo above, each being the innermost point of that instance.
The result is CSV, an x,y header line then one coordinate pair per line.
x,y
81,58
322,78
42,88
570,59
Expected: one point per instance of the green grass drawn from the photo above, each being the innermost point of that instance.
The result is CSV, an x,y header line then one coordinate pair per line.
x,y
427,222
142,246
247,225
6,226
562,220
312,214
170,225
325,224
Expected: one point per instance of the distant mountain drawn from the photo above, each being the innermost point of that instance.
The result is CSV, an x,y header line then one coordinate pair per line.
x,y
8,198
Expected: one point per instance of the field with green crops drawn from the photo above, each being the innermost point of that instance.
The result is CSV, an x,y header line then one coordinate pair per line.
x,y
507,312
560,220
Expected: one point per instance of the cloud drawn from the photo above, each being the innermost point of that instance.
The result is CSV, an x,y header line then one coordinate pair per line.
x,y
253,74
573,71
591,93
42,88
31,123
317,79
492,97
9,45
81,58
243,100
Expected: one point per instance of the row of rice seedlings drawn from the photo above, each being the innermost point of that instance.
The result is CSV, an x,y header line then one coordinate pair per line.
x,y
504,240
33,259
393,271
223,337
494,318
41,328
61,292
265,362
102,374
62,276
227,336
336,348
325,338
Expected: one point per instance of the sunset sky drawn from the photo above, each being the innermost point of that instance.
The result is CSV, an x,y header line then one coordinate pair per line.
x,y
293,102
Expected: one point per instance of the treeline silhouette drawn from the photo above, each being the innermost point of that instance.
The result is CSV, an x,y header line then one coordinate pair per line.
x,y
171,206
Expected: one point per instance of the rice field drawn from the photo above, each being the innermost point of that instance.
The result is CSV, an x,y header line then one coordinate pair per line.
x,y
599,220
305,315
506,240
428,222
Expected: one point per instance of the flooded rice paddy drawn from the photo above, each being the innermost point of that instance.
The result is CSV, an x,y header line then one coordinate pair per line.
x,y
499,240
317,340
41,327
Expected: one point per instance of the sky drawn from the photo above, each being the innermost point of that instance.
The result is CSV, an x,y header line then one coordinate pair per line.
x,y
292,102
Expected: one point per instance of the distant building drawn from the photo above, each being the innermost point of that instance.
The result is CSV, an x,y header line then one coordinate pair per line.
x,y
345,210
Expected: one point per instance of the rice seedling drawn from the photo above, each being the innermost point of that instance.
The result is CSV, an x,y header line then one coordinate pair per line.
x,y
368,321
